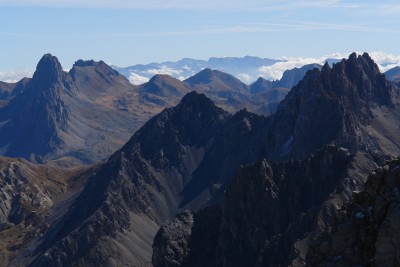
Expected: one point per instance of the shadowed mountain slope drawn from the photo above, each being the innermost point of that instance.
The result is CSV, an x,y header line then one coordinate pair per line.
x,y
70,117
266,217
365,231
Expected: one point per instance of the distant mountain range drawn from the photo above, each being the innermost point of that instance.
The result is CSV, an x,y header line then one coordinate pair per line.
x,y
247,69
244,68
86,114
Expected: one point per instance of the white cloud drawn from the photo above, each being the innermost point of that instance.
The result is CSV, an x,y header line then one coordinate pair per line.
x,y
385,61
275,71
137,79
14,75
244,77
164,70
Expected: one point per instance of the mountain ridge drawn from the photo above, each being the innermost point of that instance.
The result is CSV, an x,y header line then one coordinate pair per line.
x,y
178,242
185,158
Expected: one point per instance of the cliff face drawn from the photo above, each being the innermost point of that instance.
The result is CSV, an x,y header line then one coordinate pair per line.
x,y
365,232
332,106
266,208
34,120
181,158
351,107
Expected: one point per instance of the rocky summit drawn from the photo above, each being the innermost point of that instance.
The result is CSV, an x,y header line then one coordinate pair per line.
x,y
271,211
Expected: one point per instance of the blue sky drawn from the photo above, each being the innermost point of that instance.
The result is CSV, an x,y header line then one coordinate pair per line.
x,y
128,32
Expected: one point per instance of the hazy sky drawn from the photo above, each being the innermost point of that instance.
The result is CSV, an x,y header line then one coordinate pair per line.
x,y
128,32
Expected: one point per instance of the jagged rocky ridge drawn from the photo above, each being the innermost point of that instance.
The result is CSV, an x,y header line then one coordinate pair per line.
x,y
335,106
154,167
366,230
351,106
266,208
185,156
63,115
86,114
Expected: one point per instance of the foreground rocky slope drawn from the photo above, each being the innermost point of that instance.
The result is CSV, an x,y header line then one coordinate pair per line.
x,y
266,208
365,232
31,200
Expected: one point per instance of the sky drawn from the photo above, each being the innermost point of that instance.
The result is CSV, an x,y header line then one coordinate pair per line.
x,y
129,32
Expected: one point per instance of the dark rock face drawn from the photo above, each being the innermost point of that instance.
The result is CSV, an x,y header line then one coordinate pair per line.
x,y
270,222
331,106
266,208
57,115
366,231
153,167
36,118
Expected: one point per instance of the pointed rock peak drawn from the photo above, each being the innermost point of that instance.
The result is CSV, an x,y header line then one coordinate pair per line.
x,y
48,68
260,80
366,56
353,56
326,67
194,100
49,60
207,71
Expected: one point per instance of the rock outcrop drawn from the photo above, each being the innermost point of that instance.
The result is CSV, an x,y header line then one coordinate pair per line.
x,y
350,106
266,208
30,202
366,230
333,106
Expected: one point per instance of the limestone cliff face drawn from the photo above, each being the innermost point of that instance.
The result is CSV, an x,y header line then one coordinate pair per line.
x,y
366,231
